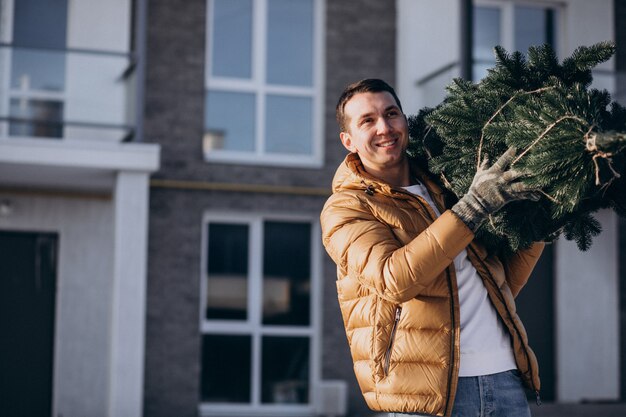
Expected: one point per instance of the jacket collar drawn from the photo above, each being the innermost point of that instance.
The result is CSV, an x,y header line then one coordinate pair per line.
x,y
351,175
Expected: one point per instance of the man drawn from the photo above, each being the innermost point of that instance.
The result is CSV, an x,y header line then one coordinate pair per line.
x,y
429,314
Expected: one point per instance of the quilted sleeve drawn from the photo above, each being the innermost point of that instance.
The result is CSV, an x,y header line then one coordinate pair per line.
x,y
363,246
520,266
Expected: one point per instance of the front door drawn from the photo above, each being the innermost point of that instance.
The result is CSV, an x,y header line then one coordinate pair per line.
x,y
27,315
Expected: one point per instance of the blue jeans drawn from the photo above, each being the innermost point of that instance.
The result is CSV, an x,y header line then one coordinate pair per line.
x,y
497,395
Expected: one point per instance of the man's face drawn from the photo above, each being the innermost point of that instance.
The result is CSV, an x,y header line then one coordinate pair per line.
x,y
376,129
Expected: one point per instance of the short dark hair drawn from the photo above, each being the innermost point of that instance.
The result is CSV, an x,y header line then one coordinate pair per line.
x,y
368,85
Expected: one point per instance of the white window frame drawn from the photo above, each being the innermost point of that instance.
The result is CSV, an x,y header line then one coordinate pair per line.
x,y
257,85
507,19
253,326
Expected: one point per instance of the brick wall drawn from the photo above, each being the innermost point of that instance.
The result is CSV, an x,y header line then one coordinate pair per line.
x,y
174,118
359,42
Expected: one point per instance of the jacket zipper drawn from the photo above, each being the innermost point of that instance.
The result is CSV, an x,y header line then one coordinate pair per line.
x,y
530,365
452,320
391,340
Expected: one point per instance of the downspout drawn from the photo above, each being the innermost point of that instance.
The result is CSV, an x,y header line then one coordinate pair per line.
x,y
466,43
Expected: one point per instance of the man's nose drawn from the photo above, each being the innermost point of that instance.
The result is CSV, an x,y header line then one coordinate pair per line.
x,y
383,125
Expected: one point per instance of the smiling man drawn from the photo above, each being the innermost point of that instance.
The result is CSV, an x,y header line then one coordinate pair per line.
x,y
429,314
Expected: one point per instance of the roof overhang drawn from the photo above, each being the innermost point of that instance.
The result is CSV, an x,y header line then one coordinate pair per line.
x,y
70,165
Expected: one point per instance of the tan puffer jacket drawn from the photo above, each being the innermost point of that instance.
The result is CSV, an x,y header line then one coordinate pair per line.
x,y
398,293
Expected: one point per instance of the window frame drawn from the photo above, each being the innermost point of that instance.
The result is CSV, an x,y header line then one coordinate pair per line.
x,y
261,89
253,325
507,19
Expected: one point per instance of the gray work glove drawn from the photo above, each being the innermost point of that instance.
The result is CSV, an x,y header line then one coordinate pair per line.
x,y
491,189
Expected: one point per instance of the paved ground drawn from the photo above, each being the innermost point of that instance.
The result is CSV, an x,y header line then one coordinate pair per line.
x,y
579,410
572,410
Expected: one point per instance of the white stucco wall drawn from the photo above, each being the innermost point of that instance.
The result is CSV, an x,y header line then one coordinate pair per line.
x,y
83,299
101,219
428,39
587,309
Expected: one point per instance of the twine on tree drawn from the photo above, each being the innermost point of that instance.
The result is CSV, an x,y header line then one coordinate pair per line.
x,y
592,146
506,103
545,132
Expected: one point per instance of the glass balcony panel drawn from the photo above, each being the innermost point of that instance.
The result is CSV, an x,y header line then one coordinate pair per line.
x,y
93,93
36,118
37,70
432,89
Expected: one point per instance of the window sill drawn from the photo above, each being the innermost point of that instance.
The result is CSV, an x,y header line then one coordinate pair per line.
x,y
287,161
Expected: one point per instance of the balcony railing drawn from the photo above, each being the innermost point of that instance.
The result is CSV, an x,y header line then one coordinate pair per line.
x,y
431,88
67,94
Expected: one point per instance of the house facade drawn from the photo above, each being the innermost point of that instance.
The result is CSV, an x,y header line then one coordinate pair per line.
x,y
74,184
163,165
248,156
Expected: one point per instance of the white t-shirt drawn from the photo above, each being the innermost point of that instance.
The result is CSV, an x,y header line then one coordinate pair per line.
x,y
485,344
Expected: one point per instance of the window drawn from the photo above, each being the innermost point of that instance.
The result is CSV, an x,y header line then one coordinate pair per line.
x,y
258,315
37,70
514,25
263,90
66,71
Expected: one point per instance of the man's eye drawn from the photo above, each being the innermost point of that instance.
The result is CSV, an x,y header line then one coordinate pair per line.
x,y
393,113
366,121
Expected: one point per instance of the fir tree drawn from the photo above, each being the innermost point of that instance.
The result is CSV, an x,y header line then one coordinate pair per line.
x,y
571,142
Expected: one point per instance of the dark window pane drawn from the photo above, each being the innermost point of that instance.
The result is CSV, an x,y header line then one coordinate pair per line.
x,y
287,273
232,38
226,368
227,269
40,23
285,370
38,118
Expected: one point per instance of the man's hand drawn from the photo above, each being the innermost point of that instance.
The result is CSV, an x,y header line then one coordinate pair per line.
x,y
491,189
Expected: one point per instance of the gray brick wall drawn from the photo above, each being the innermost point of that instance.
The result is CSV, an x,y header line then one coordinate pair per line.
x,y
173,337
360,42
174,119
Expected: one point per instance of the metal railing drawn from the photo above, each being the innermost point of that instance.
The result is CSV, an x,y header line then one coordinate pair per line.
x,y
67,93
431,88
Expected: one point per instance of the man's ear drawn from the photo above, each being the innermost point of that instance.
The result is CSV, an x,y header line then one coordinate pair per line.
x,y
346,139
